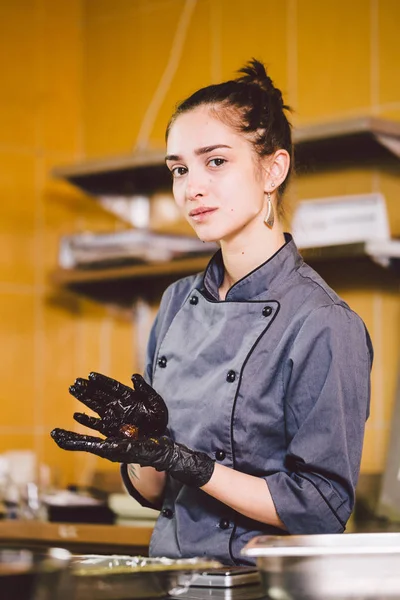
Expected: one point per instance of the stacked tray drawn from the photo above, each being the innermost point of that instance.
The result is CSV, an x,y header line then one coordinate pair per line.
x,y
226,583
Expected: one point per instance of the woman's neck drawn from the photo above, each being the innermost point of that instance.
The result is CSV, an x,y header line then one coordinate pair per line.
x,y
242,258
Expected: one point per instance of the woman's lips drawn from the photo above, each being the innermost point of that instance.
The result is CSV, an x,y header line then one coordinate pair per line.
x,y
202,213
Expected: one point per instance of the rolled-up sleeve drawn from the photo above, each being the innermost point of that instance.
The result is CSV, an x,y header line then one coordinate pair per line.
x,y
326,383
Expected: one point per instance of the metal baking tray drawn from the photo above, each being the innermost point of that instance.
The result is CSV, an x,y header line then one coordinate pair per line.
x,y
226,583
360,566
98,577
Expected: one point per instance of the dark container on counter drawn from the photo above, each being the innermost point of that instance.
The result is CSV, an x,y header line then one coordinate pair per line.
x,y
27,574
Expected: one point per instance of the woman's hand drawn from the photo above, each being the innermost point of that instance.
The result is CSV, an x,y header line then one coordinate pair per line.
x,y
119,406
186,465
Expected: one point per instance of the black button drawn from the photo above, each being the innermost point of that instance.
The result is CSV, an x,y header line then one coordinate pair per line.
x,y
167,512
220,455
194,300
162,362
267,310
231,376
224,524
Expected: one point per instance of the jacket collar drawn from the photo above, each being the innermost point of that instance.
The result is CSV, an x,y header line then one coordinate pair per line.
x,y
264,278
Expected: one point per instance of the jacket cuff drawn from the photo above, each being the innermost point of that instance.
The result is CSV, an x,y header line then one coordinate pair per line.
x,y
132,491
303,508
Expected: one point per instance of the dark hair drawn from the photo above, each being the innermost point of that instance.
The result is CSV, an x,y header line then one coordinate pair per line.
x,y
252,105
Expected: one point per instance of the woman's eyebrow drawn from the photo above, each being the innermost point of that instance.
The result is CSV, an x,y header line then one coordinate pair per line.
x,y
198,151
207,149
172,157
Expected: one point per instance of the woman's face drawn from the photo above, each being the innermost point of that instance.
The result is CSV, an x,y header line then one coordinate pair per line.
x,y
218,182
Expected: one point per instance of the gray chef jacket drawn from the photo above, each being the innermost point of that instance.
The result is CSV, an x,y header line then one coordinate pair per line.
x,y
274,381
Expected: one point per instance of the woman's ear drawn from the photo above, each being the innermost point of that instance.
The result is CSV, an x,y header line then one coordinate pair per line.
x,y
276,169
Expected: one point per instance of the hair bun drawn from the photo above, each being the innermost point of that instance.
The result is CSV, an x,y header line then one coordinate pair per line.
x,y
254,72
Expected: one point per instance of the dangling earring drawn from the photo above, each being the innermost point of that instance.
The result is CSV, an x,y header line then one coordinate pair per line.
x,y
270,218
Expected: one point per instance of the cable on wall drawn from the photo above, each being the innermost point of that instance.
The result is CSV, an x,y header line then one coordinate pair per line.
x,y
167,77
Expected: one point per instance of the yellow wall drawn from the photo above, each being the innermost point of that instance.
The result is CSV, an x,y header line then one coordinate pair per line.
x,y
47,338
77,79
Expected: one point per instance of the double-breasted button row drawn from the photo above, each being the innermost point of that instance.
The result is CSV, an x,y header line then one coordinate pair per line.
x,y
266,311
162,362
167,513
220,454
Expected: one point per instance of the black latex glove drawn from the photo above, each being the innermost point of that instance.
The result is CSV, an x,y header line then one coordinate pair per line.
x,y
187,466
118,405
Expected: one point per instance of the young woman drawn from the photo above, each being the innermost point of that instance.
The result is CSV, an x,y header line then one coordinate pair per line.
x,y
261,372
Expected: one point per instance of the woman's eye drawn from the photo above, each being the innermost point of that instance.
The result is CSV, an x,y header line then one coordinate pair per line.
x,y
216,162
178,171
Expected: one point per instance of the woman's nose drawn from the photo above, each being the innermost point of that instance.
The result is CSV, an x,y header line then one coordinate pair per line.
x,y
195,187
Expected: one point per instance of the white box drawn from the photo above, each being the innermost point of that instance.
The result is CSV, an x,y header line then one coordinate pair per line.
x,y
340,220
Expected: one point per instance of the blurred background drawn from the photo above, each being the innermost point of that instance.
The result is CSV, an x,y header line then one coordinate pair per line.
x,y
84,82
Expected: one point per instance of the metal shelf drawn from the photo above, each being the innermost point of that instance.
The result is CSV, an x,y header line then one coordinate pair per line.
x,y
72,277
121,284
